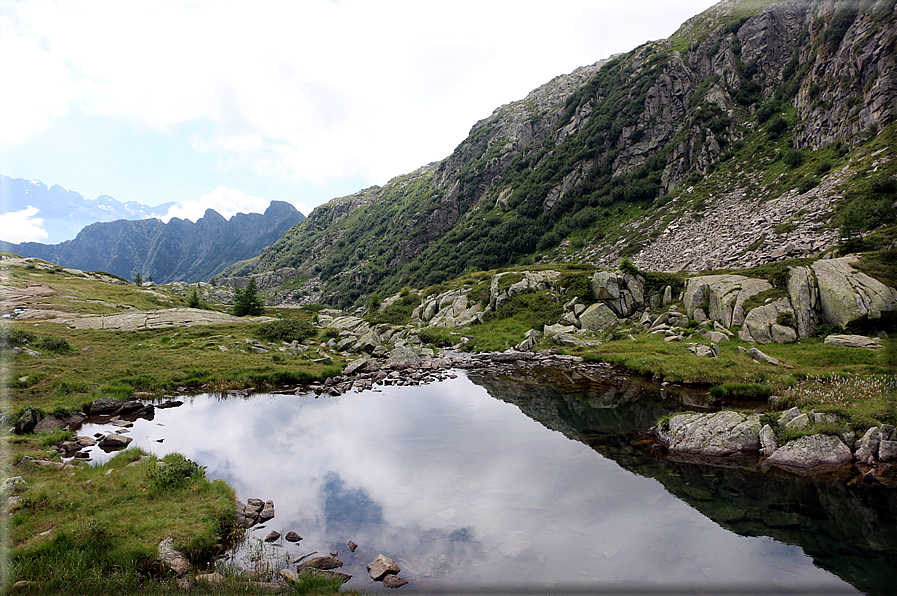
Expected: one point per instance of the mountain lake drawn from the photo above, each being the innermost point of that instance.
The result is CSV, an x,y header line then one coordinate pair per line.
x,y
533,483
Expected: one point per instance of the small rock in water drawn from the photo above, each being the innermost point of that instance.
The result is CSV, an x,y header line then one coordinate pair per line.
x,y
272,536
394,581
352,546
382,566
292,536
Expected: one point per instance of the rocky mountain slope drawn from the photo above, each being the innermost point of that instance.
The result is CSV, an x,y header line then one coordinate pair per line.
x,y
759,131
179,250
65,212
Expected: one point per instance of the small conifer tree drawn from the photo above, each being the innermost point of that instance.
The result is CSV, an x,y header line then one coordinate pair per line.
x,y
248,302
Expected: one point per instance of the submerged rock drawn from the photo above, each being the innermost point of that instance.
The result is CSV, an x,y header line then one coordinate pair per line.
x,y
381,567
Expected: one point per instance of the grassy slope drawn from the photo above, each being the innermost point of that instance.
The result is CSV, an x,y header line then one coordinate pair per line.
x,y
105,522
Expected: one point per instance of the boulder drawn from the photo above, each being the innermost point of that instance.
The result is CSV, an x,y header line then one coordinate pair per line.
x,y
755,353
810,451
552,331
887,451
804,298
622,292
720,433
867,446
267,512
320,563
761,324
724,296
767,441
853,341
598,317
28,420
404,357
58,422
272,536
382,566
292,536
172,558
105,405
849,297
114,441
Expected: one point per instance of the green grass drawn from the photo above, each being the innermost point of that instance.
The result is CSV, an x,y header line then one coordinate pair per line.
x,y
122,362
96,528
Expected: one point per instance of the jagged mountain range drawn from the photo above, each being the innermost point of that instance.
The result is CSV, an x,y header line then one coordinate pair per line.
x,y
179,250
65,212
759,131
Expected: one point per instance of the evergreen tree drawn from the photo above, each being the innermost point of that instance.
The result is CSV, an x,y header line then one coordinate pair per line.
x,y
139,279
247,301
193,300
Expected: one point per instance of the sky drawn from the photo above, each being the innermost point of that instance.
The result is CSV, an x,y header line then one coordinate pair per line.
x,y
230,105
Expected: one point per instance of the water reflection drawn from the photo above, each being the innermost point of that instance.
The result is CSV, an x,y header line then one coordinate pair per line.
x,y
465,492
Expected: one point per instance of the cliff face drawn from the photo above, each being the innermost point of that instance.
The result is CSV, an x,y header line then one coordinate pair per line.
x,y
644,155
179,250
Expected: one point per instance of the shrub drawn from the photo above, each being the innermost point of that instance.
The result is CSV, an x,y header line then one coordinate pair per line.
x,y
174,471
287,330
793,158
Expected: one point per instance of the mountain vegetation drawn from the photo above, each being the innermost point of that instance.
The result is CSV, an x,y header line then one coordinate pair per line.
x,y
179,250
759,131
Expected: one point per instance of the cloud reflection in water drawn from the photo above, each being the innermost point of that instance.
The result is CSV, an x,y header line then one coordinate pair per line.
x,y
463,488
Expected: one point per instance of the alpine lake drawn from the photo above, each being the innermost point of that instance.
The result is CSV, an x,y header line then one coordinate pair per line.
x,y
534,481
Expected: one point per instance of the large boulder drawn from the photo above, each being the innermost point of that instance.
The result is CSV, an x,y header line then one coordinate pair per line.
x,y
810,451
597,317
804,297
723,295
621,291
720,433
850,298
761,325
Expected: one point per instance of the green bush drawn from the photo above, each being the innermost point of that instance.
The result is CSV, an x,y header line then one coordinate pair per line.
x,y
174,471
287,330
793,158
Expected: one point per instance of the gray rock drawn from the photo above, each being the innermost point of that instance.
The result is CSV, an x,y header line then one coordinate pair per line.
x,y
720,433
887,451
11,484
761,324
292,536
267,512
812,450
755,353
114,441
172,558
724,295
28,420
867,446
848,296
767,441
853,341
56,423
272,536
320,563
804,299
787,416
381,566
105,405
799,422
598,317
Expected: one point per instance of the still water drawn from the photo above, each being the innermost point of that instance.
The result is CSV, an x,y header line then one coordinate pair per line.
x,y
462,486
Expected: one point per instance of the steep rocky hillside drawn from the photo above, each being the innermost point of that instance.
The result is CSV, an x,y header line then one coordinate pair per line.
x,y
759,131
179,250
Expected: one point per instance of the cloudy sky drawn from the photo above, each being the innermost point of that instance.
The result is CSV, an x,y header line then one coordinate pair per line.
x,y
233,104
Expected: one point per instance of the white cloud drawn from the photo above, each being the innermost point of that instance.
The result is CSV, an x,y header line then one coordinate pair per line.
x,y
226,201
22,226
305,91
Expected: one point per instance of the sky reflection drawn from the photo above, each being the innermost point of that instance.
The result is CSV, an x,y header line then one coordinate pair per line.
x,y
462,490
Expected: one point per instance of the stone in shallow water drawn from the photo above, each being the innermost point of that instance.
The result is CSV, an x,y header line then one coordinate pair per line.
x,y
292,536
394,581
381,566
810,451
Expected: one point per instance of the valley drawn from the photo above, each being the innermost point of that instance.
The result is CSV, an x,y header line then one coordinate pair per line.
x,y
644,317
